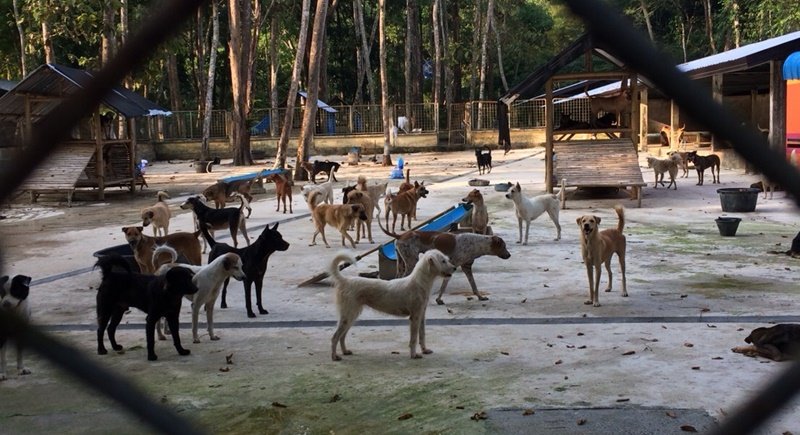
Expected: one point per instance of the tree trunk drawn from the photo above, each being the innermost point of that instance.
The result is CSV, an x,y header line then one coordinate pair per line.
x,y
446,60
283,143
647,22
709,26
23,58
47,40
107,38
387,124
365,49
437,59
305,143
240,23
484,50
412,57
737,28
173,82
476,51
274,63
499,53
208,106
358,22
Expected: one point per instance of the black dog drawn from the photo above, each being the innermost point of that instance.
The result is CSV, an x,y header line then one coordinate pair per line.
x,y
484,159
703,162
219,218
327,167
14,298
158,296
254,263
778,343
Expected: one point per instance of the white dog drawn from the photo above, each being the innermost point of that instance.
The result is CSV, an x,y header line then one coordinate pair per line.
x,y
406,296
530,209
14,298
209,279
326,188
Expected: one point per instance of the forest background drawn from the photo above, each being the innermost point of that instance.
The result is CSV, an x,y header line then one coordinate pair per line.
x,y
242,54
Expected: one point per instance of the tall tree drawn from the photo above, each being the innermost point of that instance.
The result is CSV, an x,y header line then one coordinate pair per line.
x,y
108,37
283,142
413,63
306,141
646,15
365,49
274,65
387,123
437,60
208,105
240,24
484,52
474,70
47,40
709,25
499,52
23,57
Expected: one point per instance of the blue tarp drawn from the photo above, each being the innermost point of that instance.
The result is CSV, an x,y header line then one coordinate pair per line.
x,y
791,67
249,175
455,214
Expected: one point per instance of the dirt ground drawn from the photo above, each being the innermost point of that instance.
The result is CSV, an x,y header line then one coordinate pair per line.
x,y
532,345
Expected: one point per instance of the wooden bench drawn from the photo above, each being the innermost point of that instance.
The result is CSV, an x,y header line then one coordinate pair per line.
x,y
60,172
598,163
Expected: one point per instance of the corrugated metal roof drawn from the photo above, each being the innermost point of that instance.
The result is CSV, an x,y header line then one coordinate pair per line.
x,y
51,83
320,104
791,67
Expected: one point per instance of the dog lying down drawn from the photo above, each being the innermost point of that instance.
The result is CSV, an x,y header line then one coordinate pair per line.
x,y
403,297
778,343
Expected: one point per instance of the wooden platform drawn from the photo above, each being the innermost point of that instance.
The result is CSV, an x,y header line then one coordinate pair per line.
x,y
598,163
59,172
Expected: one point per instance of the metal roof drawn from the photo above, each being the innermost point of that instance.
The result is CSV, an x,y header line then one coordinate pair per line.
x,y
49,84
320,104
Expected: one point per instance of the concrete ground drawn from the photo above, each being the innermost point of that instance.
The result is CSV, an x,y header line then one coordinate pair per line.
x,y
531,359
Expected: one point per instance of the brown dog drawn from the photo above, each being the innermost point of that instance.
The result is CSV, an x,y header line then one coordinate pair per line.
x,y
185,244
480,214
158,214
339,216
222,192
405,204
359,197
283,190
597,248
618,105
778,343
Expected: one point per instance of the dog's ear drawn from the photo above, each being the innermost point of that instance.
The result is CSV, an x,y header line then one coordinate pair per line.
x,y
578,221
519,188
597,219
140,228
275,228
25,280
3,281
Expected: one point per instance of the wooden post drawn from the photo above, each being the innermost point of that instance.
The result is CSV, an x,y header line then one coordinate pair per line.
x,y
777,107
716,93
644,122
99,158
548,150
132,150
635,121
674,119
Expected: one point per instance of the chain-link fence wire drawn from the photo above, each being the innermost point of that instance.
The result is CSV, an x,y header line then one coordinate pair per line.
x,y
640,55
51,131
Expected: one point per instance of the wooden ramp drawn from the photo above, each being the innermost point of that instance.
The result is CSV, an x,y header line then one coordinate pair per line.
x,y
60,172
598,163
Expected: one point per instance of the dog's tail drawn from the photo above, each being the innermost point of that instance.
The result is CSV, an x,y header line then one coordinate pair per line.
x,y
386,231
333,269
621,215
245,203
362,180
106,263
206,235
408,176
164,254
161,195
312,200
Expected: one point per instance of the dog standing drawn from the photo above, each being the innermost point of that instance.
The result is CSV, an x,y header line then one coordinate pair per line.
x,y
375,191
462,249
326,188
185,244
254,263
315,168
365,226
660,166
14,299
399,297
158,214
158,296
404,203
682,158
480,214
339,216
221,192
208,279
597,248
283,190
483,156
778,343
701,163
528,209
217,219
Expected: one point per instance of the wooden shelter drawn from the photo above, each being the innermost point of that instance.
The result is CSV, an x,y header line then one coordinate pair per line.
x,y
101,150
611,147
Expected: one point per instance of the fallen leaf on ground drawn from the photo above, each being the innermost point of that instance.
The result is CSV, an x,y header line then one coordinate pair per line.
x,y
717,357
224,369
581,421
504,352
559,336
394,352
630,352
705,310
711,326
579,334
684,296
229,359
405,416
583,346
687,344
696,368
278,405
460,407
558,362
624,400
336,398
524,300
671,414
688,428
528,412
479,416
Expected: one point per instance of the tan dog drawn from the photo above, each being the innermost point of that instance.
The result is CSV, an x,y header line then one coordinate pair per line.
x,y
283,190
480,214
339,216
222,192
185,244
618,105
597,248
375,191
660,166
158,214
682,158
365,226
405,204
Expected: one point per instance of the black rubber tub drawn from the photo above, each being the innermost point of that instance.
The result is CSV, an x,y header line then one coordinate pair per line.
x,y
738,199
728,225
